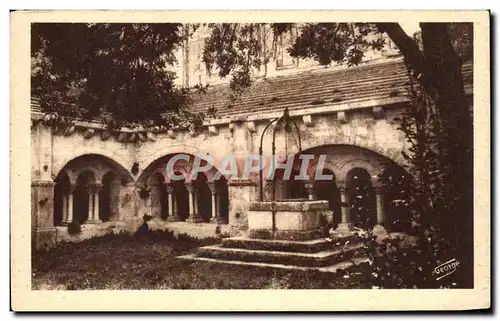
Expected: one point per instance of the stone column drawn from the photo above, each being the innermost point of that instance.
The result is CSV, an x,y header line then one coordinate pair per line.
x,y
215,208
42,213
172,211
379,191
309,185
64,209
69,217
94,193
345,225
193,213
241,194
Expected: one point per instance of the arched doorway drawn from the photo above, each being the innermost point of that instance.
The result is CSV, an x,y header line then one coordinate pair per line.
x,y
61,198
82,200
181,196
159,196
327,190
396,197
223,199
94,174
105,197
203,197
296,187
361,198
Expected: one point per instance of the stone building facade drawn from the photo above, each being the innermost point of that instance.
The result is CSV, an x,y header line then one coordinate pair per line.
x,y
109,181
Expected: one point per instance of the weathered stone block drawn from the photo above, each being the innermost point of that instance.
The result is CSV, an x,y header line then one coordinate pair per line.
x,y
308,120
378,112
342,117
213,130
251,127
293,220
88,133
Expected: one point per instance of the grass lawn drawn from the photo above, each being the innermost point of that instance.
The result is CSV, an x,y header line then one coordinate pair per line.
x,y
126,262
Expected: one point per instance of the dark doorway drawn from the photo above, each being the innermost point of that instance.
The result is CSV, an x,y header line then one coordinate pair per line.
x,y
204,197
328,191
223,195
181,195
60,193
396,196
105,197
81,197
362,199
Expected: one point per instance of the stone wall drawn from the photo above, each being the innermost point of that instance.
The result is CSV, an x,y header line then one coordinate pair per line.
x,y
365,137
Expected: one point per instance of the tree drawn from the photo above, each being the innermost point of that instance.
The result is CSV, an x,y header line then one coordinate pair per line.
x,y
234,49
116,72
86,70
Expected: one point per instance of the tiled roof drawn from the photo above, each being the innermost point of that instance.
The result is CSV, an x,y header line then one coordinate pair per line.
x,y
315,88
318,88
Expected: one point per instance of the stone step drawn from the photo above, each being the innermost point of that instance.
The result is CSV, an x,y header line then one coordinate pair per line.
x,y
312,246
322,258
326,269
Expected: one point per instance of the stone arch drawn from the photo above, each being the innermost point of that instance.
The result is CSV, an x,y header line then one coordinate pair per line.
x,y
392,153
372,169
208,192
181,166
75,173
91,199
149,161
340,158
109,157
97,163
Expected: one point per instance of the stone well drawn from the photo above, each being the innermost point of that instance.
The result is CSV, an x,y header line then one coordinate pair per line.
x,y
293,219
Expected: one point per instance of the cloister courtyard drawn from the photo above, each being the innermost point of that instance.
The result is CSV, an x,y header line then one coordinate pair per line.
x,y
107,214
126,262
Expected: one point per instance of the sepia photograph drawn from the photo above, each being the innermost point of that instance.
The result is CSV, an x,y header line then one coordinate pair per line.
x,y
200,153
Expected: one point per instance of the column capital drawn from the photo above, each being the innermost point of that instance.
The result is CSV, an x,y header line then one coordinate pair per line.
x,y
378,187
71,188
341,185
211,185
94,188
309,184
190,187
169,187
43,184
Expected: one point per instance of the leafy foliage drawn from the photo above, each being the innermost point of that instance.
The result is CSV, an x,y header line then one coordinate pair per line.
x,y
438,130
116,72
236,49
396,261
461,36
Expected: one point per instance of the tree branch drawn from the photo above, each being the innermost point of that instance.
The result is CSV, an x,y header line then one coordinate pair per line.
x,y
412,54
